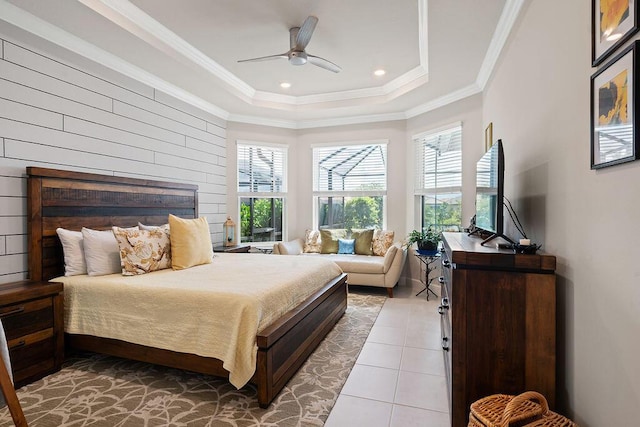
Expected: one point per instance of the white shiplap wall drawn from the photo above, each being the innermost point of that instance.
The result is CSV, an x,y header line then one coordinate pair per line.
x,y
57,116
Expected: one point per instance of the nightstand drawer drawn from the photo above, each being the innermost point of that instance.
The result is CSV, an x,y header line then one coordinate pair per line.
x,y
32,317
32,355
20,320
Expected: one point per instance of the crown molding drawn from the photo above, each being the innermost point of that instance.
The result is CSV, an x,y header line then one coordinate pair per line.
x,y
128,16
447,99
28,22
507,20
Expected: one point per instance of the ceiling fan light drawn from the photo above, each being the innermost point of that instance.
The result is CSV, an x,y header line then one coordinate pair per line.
x,y
298,58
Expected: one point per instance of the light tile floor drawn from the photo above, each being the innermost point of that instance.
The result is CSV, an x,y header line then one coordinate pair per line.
x,y
398,379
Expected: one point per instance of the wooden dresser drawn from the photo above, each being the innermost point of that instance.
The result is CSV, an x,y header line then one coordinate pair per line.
x,y
498,322
32,317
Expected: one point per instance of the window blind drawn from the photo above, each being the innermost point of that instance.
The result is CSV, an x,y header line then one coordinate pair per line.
x,y
439,162
261,169
350,168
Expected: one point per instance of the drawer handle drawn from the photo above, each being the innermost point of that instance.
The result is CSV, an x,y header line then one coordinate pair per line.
x,y
441,280
12,312
20,343
445,343
446,263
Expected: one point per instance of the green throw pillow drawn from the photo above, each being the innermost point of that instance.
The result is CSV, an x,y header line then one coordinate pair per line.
x,y
330,238
363,240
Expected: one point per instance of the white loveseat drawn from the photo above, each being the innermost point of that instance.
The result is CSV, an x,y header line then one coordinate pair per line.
x,y
365,270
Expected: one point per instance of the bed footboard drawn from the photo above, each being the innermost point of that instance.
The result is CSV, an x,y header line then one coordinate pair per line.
x,y
285,345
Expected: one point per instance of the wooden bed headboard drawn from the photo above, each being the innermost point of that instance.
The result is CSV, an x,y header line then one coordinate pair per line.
x,y
72,200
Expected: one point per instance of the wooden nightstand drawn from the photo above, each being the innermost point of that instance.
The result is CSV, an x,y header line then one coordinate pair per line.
x,y
233,249
32,316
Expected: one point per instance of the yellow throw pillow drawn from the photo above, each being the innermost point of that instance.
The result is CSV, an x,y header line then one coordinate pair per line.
x,y
190,242
363,240
330,238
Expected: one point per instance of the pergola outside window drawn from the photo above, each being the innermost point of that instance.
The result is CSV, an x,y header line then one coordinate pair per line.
x,y
350,185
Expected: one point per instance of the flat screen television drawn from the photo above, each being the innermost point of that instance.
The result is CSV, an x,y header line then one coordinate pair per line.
x,y
490,193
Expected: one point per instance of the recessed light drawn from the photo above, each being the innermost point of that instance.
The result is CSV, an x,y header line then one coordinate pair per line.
x,y
380,72
285,85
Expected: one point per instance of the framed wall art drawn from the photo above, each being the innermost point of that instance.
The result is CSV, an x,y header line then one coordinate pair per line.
x,y
488,137
612,23
614,122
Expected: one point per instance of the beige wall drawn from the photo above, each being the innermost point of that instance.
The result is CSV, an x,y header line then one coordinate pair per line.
x,y
538,101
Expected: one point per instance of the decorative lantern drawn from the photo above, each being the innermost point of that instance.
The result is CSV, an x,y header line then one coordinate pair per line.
x,y
229,231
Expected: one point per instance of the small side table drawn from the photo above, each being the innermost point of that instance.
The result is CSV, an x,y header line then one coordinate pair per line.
x,y
237,249
427,264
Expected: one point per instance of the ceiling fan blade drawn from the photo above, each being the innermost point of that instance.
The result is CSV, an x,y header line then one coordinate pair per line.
x,y
323,63
305,32
266,58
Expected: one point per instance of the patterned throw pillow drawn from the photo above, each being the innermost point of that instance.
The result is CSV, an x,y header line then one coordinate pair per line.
x,y
382,241
312,242
143,251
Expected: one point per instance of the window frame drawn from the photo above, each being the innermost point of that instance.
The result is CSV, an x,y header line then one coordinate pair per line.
x,y
420,187
317,194
283,194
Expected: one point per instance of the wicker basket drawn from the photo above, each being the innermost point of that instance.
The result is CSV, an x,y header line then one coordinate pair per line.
x,y
528,409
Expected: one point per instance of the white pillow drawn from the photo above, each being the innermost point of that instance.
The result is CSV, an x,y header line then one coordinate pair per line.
x,y
101,252
73,249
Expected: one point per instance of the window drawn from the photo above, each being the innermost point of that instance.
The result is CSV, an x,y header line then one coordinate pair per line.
x,y
438,184
261,191
350,185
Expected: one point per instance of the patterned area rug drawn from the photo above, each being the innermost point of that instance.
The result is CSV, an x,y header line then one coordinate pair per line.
x,y
97,390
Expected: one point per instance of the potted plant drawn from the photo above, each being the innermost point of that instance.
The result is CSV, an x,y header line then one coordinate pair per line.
x,y
426,239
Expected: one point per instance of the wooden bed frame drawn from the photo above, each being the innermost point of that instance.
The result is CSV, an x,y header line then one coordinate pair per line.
x,y
73,200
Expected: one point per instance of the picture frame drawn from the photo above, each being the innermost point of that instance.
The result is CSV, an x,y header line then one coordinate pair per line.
x,y
488,137
612,24
614,122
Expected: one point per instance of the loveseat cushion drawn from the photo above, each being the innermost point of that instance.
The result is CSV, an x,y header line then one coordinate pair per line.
x,y
358,263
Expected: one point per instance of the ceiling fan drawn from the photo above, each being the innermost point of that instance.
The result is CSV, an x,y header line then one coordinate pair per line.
x,y
299,38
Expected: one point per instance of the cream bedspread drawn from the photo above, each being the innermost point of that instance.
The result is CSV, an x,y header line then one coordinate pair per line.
x,y
212,310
